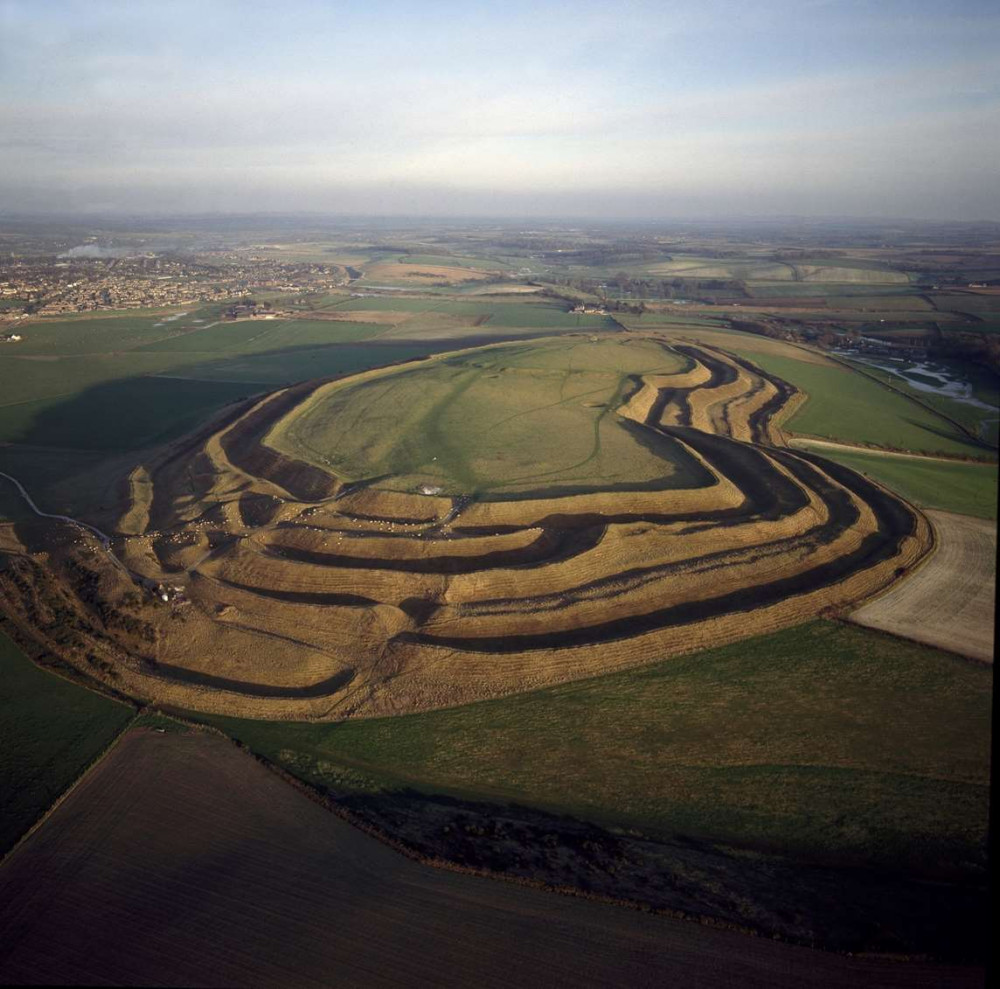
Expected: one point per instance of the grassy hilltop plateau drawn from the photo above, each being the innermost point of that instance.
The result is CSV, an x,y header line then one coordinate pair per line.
x,y
655,566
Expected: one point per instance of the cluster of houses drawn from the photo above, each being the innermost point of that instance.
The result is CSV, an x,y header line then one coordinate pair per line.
x,y
589,310
10,338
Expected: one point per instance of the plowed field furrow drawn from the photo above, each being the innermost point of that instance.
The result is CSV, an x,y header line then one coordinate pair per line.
x,y
950,601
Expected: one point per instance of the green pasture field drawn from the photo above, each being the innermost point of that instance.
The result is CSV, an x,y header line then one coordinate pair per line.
x,y
249,336
846,405
968,489
969,302
382,303
500,419
881,303
26,379
78,483
113,332
765,289
990,325
119,415
696,267
752,270
12,505
673,320
541,315
51,730
282,367
802,741
91,336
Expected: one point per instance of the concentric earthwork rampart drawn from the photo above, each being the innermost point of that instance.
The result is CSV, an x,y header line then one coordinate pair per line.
x,y
303,595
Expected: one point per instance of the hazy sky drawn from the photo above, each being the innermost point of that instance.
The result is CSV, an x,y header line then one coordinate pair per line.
x,y
617,109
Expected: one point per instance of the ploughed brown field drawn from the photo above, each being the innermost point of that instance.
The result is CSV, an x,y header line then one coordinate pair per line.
x,y
300,589
179,860
950,602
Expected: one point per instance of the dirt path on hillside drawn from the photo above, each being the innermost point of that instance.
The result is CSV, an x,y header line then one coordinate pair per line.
x,y
809,443
949,601
181,861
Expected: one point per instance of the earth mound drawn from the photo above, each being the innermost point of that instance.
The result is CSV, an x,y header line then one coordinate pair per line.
x,y
471,525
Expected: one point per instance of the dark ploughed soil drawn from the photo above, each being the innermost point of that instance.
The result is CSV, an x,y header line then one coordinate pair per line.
x,y
181,861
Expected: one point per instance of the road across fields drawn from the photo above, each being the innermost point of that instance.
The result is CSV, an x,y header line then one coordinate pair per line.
x,y
181,861
949,601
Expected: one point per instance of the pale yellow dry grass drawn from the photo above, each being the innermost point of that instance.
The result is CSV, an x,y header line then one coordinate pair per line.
x,y
136,518
421,274
276,624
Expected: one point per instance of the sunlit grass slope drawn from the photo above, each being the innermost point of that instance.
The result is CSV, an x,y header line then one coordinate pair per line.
x,y
512,417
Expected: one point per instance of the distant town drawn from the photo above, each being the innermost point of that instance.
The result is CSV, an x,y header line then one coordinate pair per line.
x,y
46,287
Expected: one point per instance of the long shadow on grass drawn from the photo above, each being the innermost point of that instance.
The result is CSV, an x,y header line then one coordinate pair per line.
x,y
140,410
845,908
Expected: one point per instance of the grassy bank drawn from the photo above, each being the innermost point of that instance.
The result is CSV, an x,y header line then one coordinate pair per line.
x,y
968,489
846,405
802,741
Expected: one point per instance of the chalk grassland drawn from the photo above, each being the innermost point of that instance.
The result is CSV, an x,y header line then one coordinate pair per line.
x,y
132,882
50,731
305,595
802,741
950,601
505,418
968,489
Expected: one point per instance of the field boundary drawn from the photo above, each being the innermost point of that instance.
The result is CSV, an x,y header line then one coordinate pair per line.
x,y
84,773
330,803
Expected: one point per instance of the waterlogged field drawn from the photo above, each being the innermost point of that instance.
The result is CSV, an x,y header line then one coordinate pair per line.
x,y
503,418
